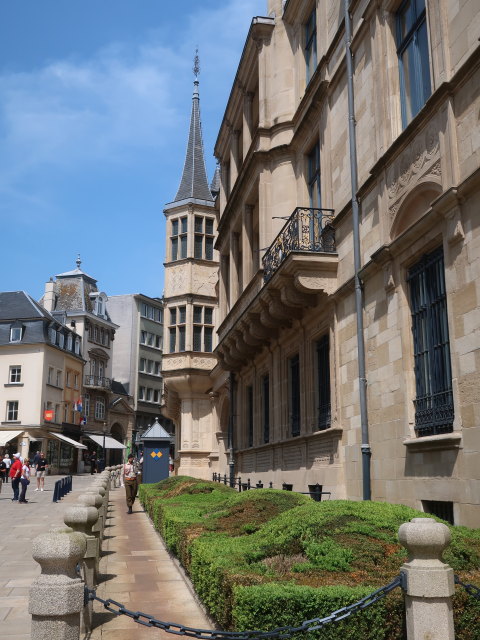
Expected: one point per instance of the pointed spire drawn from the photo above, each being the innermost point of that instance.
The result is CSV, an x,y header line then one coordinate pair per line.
x,y
194,183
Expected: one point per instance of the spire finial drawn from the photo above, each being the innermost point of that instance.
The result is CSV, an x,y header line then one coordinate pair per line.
x,y
78,261
196,64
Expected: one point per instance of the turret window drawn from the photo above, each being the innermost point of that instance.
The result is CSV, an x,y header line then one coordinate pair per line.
x,y
177,332
203,241
202,333
178,241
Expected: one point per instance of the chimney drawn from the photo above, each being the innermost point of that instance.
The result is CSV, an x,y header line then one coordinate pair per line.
x,y
49,297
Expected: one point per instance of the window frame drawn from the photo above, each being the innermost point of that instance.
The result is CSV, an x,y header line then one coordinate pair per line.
x,y
310,48
12,411
434,402
419,87
15,371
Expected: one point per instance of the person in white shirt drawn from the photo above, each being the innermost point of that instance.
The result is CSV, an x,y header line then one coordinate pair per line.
x,y
7,460
130,481
24,480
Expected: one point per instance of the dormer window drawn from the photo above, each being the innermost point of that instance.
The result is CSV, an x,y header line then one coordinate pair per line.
x,y
16,333
52,332
100,306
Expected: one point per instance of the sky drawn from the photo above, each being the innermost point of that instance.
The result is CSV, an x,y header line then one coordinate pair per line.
x,y
95,101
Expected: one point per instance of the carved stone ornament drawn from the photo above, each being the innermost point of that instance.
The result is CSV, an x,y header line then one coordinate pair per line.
x,y
388,279
455,232
419,159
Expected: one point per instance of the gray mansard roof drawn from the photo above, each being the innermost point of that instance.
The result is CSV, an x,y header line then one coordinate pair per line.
x,y
194,183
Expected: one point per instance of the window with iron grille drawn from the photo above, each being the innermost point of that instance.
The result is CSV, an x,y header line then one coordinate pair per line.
x,y
294,395
266,408
443,510
434,411
250,415
323,383
413,57
311,44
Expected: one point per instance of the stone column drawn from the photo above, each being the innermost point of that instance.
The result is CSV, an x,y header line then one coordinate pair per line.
x,y
247,244
247,121
234,257
430,582
224,286
56,596
234,164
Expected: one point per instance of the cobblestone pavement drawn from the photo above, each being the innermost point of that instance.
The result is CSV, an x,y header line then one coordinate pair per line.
x,y
20,524
136,568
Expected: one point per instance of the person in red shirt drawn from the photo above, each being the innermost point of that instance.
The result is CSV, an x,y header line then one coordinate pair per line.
x,y
15,474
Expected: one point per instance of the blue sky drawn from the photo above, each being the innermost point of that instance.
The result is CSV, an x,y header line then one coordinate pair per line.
x,y
95,99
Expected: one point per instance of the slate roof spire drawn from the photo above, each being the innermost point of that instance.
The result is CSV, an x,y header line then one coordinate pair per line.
x,y
194,183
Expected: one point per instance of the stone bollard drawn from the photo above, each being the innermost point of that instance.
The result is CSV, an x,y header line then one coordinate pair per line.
x,y
56,596
102,509
430,582
81,519
94,500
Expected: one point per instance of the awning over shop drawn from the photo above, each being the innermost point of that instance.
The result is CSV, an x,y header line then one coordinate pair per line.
x,y
6,436
110,443
69,441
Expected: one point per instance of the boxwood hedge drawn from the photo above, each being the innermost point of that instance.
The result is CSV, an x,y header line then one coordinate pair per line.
x,y
265,558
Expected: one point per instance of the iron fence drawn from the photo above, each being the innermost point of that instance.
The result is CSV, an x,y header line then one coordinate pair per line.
x,y
315,491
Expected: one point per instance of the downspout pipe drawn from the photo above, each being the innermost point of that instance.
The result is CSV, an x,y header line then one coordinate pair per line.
x,y
362,380
231,419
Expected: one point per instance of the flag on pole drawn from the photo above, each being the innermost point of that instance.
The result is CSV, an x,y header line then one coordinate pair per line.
x,y
78,405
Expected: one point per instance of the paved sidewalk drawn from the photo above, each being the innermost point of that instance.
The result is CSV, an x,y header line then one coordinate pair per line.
x,y
20,524
140,574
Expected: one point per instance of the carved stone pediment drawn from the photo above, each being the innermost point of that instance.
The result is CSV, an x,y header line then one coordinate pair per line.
x,y
418,160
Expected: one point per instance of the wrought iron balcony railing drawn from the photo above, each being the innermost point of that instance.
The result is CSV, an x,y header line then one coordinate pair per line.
x,y
97,381
308,229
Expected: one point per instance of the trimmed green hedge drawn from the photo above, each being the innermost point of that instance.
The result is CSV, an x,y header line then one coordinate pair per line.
x,y
265,558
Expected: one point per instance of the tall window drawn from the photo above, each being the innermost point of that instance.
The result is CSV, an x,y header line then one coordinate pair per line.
x,y
250,415
202,328
323,383
178,318
311,44
178,238
99,408
434,411
12,410
203,240
266,408
314,192
86,405
294,395
412,50
15,374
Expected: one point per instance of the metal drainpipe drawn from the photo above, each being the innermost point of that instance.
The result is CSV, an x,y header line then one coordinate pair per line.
x,y
362,380
231,457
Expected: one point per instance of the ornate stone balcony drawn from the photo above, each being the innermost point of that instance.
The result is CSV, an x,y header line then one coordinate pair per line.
x,y
97,382
300,267
308,229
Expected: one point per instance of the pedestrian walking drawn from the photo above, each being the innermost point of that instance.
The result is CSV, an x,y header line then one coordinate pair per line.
x,y
93,463
130,481
8,463
34,462
15,474
24,480
3,472
41,470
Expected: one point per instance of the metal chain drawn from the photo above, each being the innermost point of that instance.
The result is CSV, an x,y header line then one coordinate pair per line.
x,y
280,632
471,589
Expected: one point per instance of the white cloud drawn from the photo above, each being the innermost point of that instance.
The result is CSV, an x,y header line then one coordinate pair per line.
x,y
75,114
